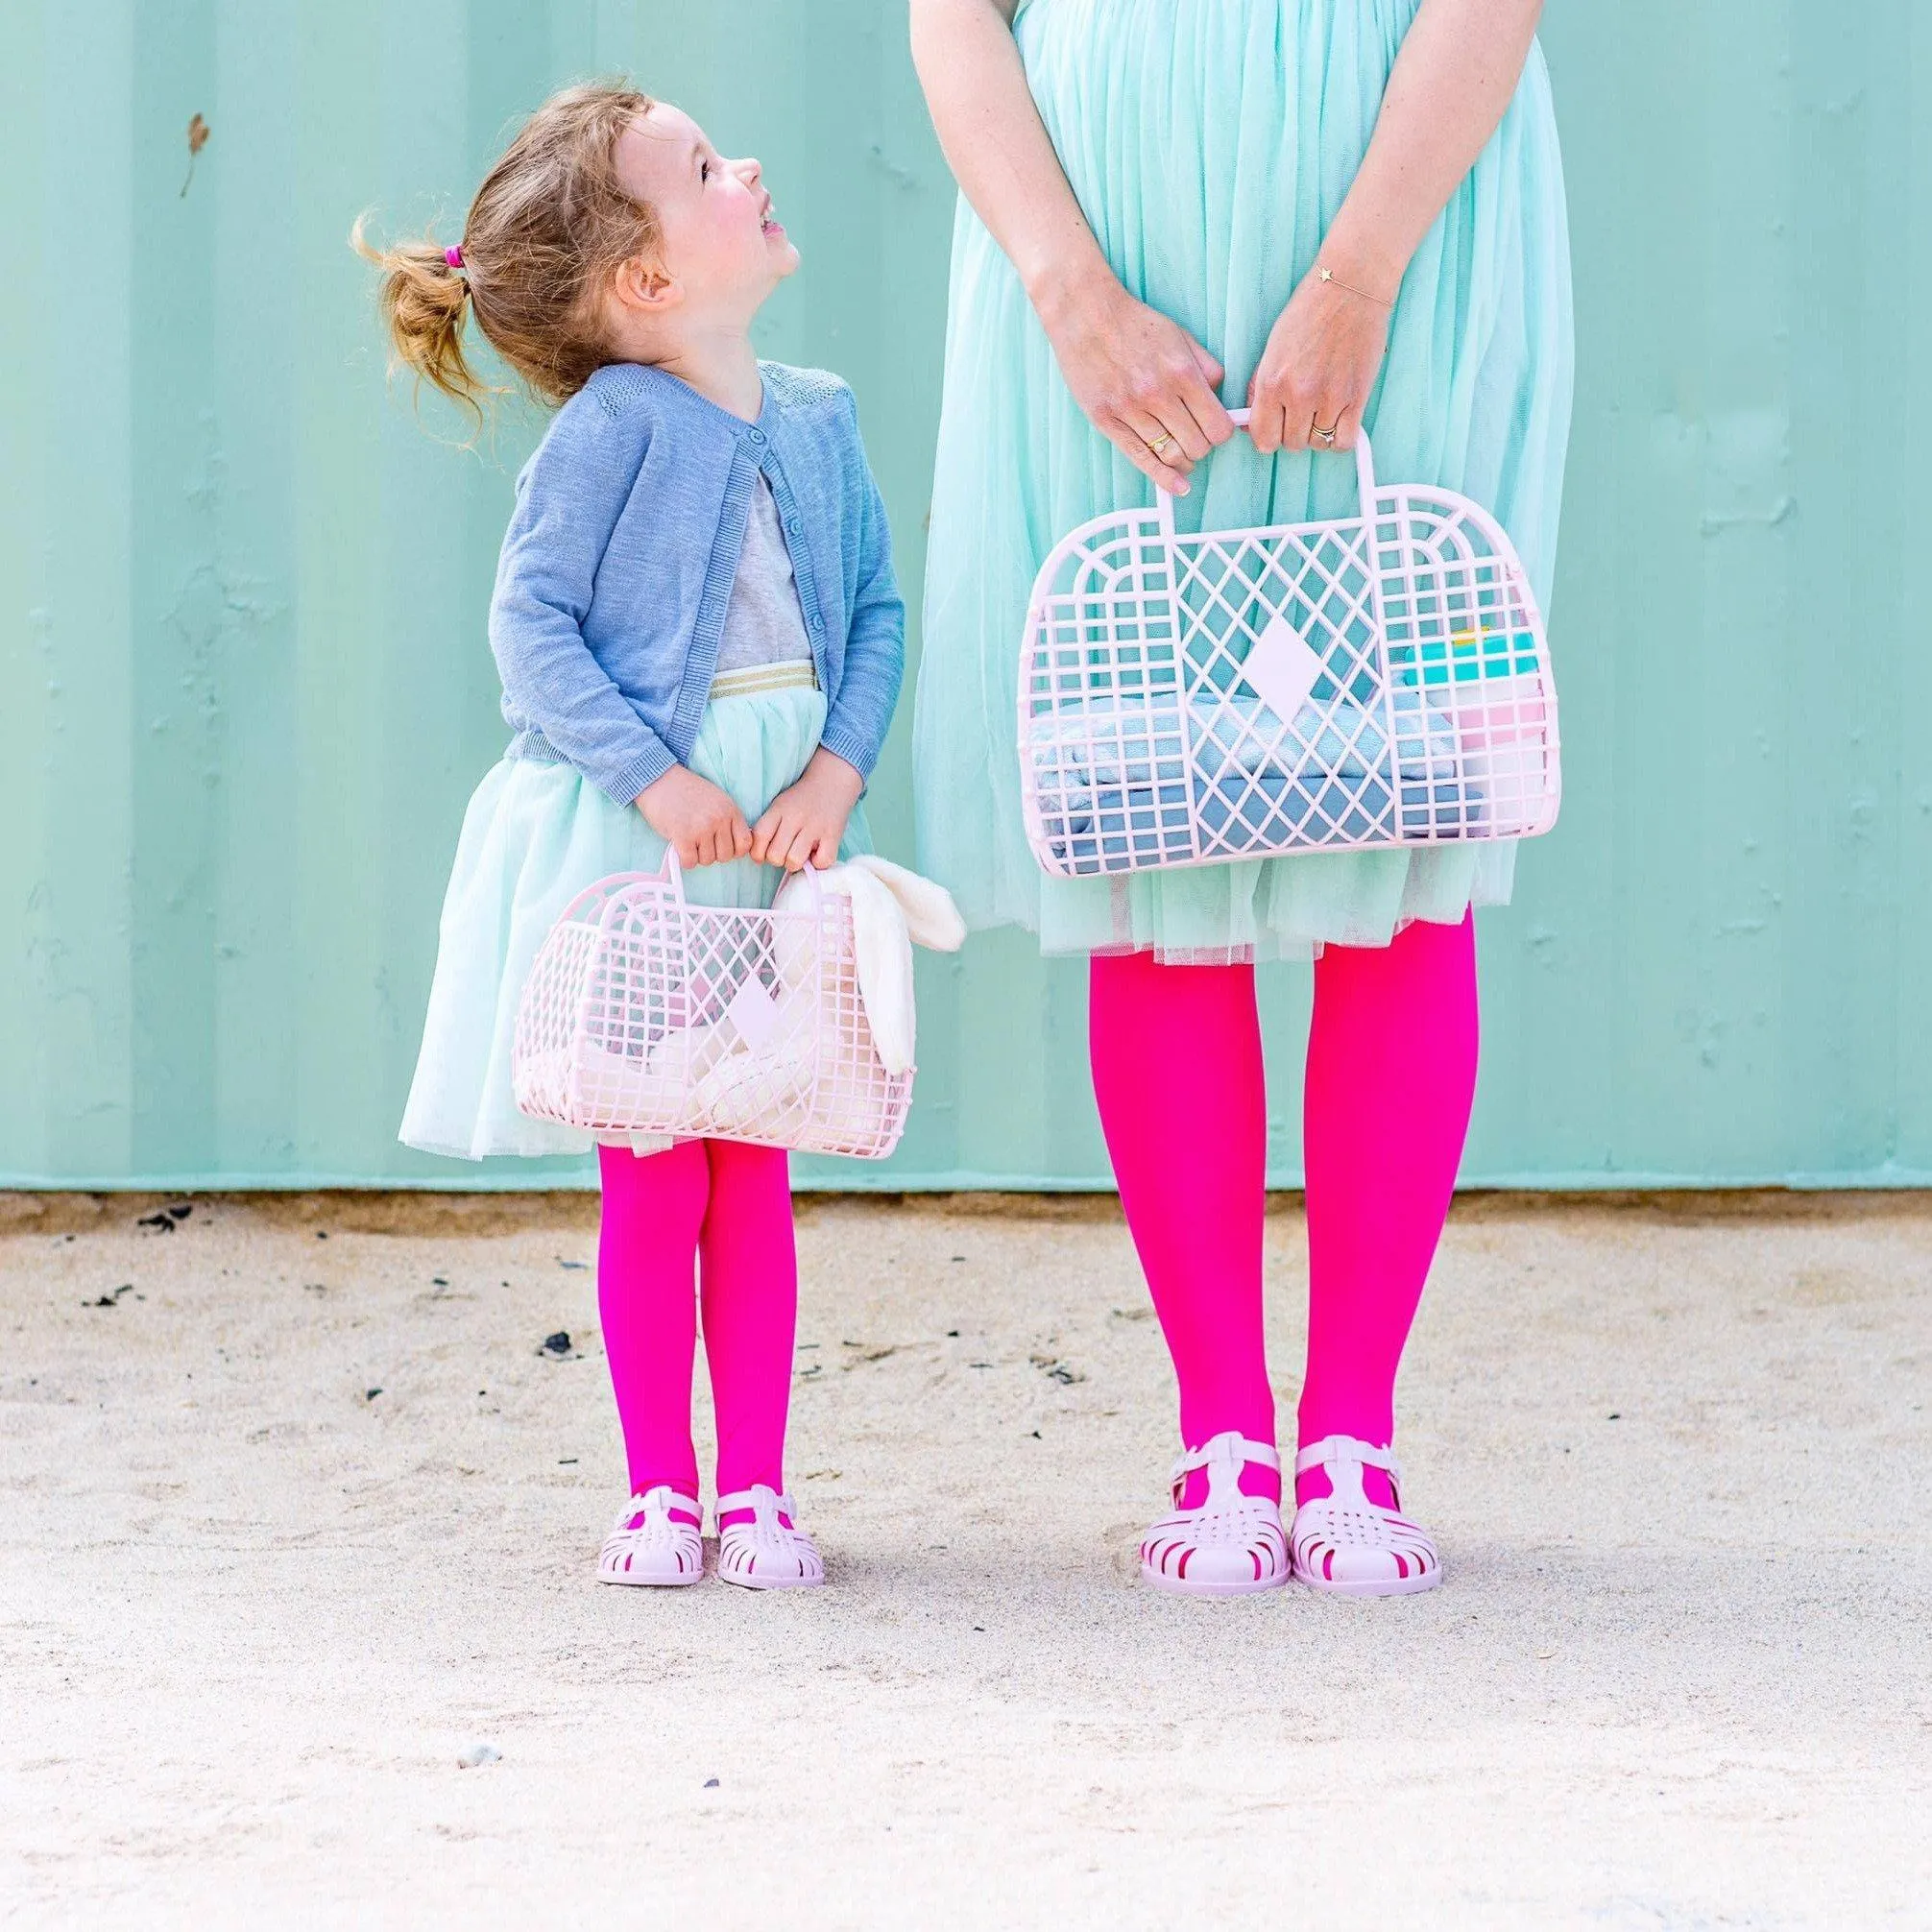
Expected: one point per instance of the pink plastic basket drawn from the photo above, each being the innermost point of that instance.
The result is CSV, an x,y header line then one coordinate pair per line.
x,y
644,1014
1381,680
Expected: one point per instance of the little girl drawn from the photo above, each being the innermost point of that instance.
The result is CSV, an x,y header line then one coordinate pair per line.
x,y
701,643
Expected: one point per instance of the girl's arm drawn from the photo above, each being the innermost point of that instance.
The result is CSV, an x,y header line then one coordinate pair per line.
x,y
1138,376
875,638
545,578
806,822
567,501
1454,75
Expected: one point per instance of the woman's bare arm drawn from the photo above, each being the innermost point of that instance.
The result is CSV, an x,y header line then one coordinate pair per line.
x,y
1140,378
1456,69
1453,78
995,143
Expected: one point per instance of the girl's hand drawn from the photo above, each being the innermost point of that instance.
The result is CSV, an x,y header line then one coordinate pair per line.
x,y
804,824
1318,368
694,818
1142,379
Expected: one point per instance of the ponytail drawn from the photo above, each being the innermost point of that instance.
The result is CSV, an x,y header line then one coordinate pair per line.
x,y
424,295
551,224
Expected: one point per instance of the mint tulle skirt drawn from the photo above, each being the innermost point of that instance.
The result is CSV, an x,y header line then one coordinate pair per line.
x,y
534,836
1209,143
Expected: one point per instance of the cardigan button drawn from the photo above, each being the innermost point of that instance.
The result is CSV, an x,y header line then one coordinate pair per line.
x,y
793,526
755,435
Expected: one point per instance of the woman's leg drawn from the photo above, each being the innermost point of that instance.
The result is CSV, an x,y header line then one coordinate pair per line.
x,y
1178,1073
748,1266
647,1299
1392,1073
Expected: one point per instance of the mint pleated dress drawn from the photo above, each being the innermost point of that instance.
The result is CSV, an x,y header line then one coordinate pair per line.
x,y
1209,143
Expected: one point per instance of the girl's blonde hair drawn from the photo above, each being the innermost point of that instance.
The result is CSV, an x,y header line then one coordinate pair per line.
x,y
549,227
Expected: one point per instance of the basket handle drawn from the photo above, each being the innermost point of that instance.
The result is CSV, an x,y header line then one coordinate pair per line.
x,y
669,873
673,874
812,877
1364,475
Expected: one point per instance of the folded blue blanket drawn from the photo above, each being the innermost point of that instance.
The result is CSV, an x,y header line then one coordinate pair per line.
x,y
1124,783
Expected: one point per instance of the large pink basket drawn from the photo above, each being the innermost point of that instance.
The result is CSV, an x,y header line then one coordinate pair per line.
x,y
1379,680
644,1014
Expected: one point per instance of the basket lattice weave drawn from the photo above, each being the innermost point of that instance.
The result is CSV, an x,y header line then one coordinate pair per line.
x,y
644,1014
1379,680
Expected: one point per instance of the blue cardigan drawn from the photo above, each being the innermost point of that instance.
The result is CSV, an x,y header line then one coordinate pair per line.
x,y
618,562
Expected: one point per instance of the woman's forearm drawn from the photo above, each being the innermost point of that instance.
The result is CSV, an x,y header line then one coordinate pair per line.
x,y
1454,75
997,146
1138,376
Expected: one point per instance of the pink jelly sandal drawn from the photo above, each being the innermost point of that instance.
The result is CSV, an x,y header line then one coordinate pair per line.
x,y
768,1551
1350,1547
1232,1542
656,1541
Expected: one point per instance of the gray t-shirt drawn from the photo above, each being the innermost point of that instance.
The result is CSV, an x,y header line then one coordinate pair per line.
x,y
763,622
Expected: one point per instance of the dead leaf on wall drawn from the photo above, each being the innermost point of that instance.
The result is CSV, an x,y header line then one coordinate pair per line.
x,y
198,139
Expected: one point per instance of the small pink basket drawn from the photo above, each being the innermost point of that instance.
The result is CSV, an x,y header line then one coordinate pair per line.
x,y
1378,680
646,1015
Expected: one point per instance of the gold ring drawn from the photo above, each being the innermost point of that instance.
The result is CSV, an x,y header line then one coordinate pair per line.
x,y
1327,436
1159,444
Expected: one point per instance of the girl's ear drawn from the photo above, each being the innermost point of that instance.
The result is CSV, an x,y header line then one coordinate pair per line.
x,y
642,286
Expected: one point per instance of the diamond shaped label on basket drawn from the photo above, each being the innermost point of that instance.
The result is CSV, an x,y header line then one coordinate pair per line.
x,y
754,1012
1281,668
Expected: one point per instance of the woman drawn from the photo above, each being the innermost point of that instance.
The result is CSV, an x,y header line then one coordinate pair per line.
x,y
1348,214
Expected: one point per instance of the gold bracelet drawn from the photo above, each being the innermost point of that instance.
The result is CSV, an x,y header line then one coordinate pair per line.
x,y
1380,302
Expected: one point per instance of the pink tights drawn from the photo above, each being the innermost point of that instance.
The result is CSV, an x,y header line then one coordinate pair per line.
x,y
725,1208
1391,1072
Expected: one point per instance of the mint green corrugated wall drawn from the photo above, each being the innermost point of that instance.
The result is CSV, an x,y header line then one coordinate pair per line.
x,y
247,690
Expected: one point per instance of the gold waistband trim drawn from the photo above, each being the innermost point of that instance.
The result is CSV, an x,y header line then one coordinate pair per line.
x,y
756,679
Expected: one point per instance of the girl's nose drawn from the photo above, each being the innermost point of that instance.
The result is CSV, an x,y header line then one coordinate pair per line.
x,y
749,170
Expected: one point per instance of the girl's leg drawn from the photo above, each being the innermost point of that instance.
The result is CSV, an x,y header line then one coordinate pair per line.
x,y
749,1268
1178,1073
646,1296
1392,1073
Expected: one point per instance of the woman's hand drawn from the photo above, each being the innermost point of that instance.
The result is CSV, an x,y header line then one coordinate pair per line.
x,y
694,818
1145,383
1319,368
804,824
1460,62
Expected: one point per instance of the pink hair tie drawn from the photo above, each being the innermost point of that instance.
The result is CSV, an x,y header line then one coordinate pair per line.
x,y
454,255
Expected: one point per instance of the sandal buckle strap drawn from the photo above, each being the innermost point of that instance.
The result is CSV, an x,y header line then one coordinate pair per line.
x,y
1347,1449
666,1496
757,1499
1244,1451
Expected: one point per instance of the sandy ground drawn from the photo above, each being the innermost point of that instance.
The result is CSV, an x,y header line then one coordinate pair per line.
x,y
253,1613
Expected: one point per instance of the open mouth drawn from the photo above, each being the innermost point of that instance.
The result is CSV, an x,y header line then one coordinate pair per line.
x,y
770,222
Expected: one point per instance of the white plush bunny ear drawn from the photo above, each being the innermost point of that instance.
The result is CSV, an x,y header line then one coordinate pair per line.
x,y
885,958
932,919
